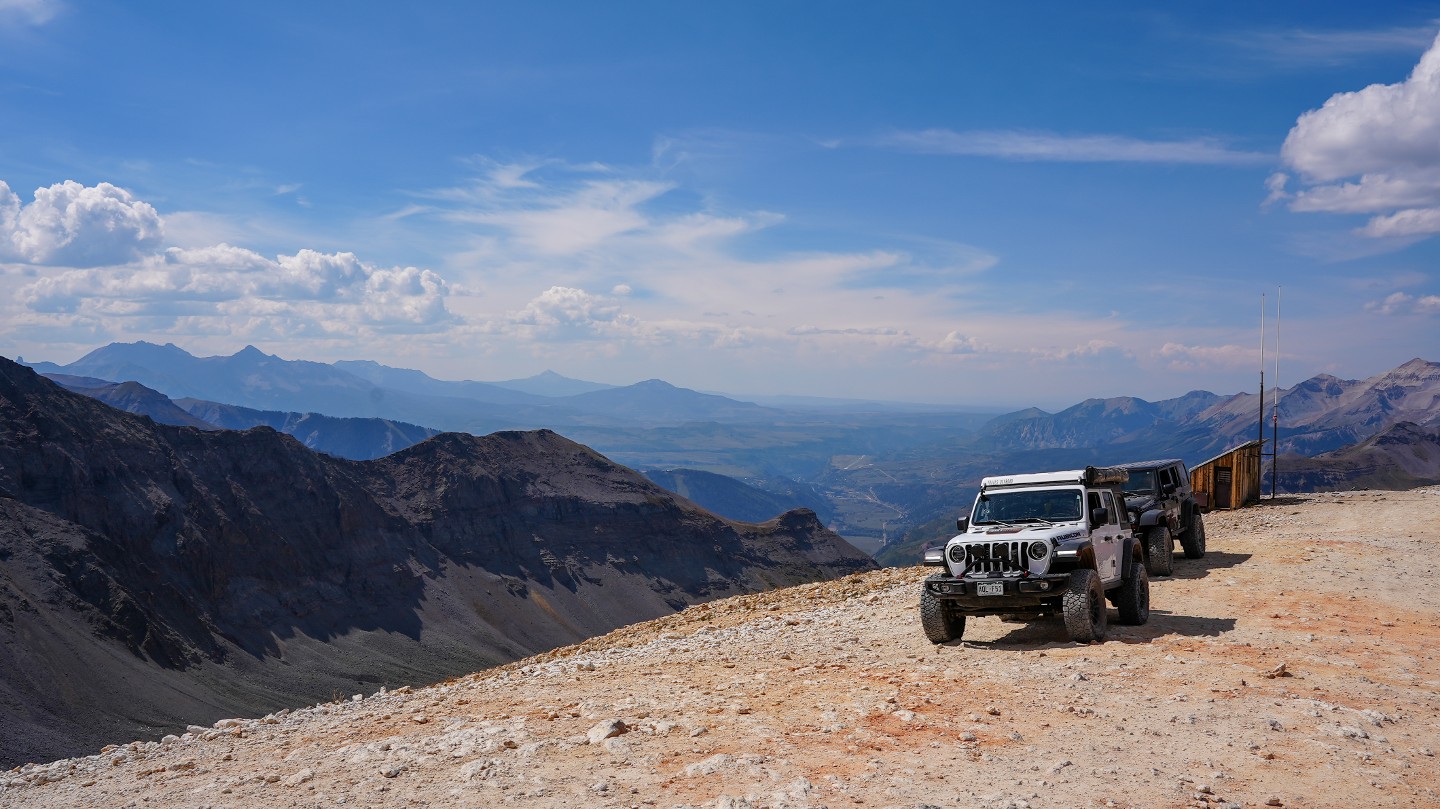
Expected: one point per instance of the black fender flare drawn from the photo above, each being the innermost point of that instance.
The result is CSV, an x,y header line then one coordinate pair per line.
x,y
1080,553
1154,516
1133,550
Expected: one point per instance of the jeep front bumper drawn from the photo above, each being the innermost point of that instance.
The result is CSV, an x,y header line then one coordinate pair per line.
x,y
1016,594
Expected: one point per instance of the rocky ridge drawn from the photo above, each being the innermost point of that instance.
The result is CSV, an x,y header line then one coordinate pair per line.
x,y
1293,666
1402,456
156,576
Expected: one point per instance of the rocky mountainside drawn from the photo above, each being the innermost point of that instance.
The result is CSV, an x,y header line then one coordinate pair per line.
x,y
155,575
1402,456
1316,415
1324,413
1092,422
132,397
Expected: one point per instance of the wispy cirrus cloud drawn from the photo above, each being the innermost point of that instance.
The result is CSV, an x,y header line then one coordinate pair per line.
x,y
1301,48
28,13
1026,145
1181,357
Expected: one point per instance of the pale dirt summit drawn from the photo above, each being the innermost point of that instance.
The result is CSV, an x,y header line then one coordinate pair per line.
x,y
1293,666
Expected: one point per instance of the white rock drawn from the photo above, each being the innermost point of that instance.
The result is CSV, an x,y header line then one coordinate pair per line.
x,y
607,729
711,765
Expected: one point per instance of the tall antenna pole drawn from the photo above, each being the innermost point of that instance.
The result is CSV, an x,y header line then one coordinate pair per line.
x,y
1275,411
1262,374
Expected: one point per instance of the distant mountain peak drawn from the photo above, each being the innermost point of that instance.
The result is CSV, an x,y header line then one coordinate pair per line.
x,y
1415,369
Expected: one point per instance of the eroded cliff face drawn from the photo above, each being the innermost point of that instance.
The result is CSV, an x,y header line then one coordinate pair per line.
x,y
172,575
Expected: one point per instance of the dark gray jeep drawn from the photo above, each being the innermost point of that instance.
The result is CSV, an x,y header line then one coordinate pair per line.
x,y
1163,507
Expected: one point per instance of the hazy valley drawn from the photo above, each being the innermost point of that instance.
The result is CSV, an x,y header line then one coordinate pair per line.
x,y
877,473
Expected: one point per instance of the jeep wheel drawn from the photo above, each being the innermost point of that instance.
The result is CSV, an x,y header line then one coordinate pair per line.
x,y
1159,551
1132,598
939,623
1084,605
1193,540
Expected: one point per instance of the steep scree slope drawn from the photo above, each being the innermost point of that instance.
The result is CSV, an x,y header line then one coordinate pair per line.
x,y
157,575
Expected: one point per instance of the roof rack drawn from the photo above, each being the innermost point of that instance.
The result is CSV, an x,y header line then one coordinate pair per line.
x,y
1089,476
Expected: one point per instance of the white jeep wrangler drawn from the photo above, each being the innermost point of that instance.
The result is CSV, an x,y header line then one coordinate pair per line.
x,y
1036,545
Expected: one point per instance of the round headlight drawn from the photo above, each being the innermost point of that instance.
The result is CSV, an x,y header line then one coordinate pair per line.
x,y
957,553
1039,550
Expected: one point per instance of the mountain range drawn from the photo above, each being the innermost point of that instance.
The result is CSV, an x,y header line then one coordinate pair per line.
x,y
881,470
157,575
1402,456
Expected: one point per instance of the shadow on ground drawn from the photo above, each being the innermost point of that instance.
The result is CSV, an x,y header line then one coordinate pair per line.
x,y
1200,568
1046,633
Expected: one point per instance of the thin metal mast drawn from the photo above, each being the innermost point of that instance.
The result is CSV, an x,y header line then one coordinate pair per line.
x,y
1275,406
1262,375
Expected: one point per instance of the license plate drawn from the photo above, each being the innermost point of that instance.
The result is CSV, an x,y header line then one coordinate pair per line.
x,y
990,588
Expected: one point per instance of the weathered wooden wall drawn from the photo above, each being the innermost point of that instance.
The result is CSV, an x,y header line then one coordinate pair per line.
x,y
1243,486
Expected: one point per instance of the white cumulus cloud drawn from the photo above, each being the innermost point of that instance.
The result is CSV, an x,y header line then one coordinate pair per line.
x,y
72,225
568,313
1376,151
96,253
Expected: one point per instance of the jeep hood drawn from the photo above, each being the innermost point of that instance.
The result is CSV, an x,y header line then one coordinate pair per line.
x,y
1028,532
1140,502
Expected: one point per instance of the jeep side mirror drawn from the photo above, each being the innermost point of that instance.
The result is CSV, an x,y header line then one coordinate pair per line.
x,y
963,524
1099,516
1168,489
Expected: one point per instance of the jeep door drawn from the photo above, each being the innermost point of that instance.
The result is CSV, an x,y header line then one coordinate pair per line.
x,y
1109,538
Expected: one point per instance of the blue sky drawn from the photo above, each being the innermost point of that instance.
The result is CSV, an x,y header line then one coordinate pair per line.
x,y
970,203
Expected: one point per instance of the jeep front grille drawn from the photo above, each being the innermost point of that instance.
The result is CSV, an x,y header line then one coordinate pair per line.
x,y
997,557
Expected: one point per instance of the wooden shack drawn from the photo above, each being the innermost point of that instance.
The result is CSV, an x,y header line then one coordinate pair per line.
x,y
1231,479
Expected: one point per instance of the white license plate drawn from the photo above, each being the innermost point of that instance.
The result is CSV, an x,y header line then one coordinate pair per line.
x,y
990,588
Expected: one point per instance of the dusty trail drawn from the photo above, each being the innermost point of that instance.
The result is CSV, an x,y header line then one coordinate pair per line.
x,y
829,695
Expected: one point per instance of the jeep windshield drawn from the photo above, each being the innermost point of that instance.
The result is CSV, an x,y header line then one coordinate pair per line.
x,y
1047,506
1142,481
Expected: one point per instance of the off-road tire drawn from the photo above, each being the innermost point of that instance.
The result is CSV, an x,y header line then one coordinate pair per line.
x,y
1132,598
1159,551
940,624
1086,617
1193,540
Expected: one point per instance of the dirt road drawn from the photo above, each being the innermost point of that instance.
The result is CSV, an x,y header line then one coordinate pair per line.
x,y
1294,666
